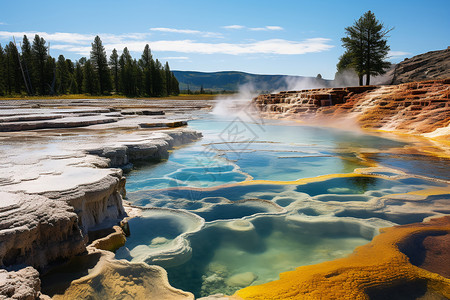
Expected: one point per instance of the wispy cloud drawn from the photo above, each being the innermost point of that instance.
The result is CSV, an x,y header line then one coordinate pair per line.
x,y
188,31
233,27
273,46
81,44
74,38
395,54
266,28
3,23
176,58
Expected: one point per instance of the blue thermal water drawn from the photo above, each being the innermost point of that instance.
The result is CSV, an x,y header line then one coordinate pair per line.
x,y
252,232
231,151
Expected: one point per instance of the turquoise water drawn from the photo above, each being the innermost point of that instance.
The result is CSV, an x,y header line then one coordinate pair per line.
x,y
214,234
233,150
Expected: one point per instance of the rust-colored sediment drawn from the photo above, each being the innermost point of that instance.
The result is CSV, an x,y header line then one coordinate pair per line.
x,y
412,108
403,262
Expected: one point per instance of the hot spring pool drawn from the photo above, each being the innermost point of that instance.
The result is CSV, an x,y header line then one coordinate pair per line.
x,y
252,199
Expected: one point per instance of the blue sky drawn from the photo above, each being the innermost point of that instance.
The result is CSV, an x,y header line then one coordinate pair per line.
x,y
263,37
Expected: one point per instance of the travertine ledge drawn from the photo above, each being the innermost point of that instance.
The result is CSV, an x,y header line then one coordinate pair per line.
x,y
59,184
413,108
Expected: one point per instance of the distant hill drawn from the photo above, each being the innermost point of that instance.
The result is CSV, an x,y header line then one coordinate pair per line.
x,y
231,80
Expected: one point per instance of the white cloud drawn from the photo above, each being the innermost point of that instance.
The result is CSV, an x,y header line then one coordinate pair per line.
x,y
274,28
234,27
163,29
81,44
82,50
188,31
176,58
266,28
393,54
273,46
3,23
74,38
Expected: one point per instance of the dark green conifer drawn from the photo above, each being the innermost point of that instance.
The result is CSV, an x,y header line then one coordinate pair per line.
x,y
62,76
146,62
114,66
27,64
78,76
39,55
126,73
15,78
366,47
100,63
90,81
2,72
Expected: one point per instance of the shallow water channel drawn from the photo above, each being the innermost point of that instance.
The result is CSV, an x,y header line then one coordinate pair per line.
x,y
255,198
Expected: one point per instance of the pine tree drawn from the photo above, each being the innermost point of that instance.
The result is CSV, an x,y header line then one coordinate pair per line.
x,y
138,75
114,66
90,82
366,47
168,78
158,83
62,75
50,76
346,61
175,86
27,64
72,89
70,66
146,62
78,76
15,78
2,72
100,64
39,55
9,75
126,73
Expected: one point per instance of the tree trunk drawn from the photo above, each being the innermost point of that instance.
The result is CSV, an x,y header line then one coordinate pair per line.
x,y
361,81
367,79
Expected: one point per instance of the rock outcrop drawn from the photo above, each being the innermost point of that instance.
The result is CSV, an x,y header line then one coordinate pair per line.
x,y
21,285
35,230
428,66
417,107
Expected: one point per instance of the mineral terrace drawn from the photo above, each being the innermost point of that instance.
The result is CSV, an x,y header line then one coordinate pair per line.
x,y
62,177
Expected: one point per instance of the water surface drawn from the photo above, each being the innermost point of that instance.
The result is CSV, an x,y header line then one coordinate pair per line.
x,y
253,230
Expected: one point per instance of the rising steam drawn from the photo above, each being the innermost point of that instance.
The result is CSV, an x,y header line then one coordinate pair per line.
x,y
237,104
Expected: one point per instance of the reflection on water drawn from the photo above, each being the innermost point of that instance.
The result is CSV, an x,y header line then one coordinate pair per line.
x,y
436,167
254,231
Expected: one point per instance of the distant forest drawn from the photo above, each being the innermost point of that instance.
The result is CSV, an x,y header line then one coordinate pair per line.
x,y
35,72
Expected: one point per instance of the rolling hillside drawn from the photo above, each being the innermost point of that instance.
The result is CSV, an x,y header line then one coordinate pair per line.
x,y
231,80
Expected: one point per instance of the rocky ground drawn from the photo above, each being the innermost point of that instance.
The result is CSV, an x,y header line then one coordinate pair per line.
x,y
428,66
62,179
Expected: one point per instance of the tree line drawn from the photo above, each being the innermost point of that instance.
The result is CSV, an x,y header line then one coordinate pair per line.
x,y
35,72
